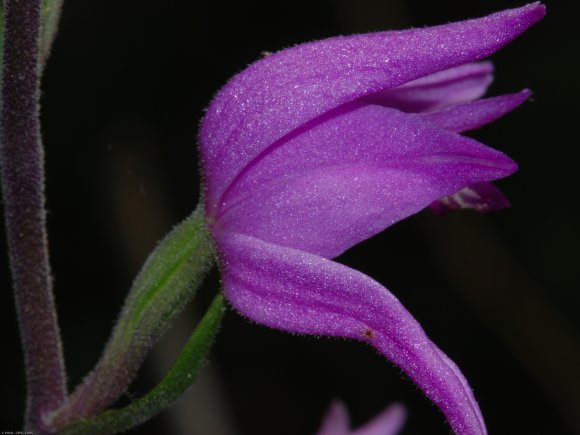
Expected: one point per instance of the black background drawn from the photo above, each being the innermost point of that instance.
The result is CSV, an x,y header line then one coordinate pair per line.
x,y
122,97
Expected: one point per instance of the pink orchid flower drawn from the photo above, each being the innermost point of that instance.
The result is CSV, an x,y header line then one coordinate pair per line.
x,y
315,148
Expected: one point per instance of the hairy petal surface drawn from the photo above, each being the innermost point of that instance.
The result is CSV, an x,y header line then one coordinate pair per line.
x,y
475,114
281,92
352,176
444,88
295,291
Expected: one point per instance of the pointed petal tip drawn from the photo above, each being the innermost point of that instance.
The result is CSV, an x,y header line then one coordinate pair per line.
x,y
508,25
539,8
508,166
532,13
525,93
502,164
513,166
519,98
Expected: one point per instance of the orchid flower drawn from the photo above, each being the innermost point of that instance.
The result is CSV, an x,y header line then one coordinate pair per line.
x,y
388,422
313,149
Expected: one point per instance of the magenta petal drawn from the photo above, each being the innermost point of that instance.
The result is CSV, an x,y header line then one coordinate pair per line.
x,y
283,91
352,176
481,197
299,292
469,116
444,88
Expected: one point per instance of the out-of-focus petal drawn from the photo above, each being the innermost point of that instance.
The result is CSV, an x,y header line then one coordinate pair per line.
x,y
388,422
444,88
351,177
481,197
298,292
281,92
469,116
336,421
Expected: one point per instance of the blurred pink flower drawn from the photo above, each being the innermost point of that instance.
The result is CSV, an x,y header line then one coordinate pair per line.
x,y
388,422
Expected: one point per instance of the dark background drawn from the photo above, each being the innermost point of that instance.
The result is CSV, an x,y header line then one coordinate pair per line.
x,y
122,97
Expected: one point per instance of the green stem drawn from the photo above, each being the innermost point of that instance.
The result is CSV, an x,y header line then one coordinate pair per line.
x,y
175,383
51,10
166,283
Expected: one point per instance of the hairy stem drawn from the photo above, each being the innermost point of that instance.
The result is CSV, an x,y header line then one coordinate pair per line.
x,y
166,283
22,175
173,385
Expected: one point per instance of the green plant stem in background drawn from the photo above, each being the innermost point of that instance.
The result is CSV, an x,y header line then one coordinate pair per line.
x,y
22,172
50,17
166,283
175,383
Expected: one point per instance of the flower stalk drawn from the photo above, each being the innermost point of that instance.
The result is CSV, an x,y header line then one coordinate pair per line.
x,y
167,282
22,178
173,385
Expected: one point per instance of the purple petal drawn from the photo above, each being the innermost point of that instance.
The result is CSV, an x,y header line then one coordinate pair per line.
x,y
336,421
470,116
352,176
481,197
298,292
388,422
444,88
281,92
